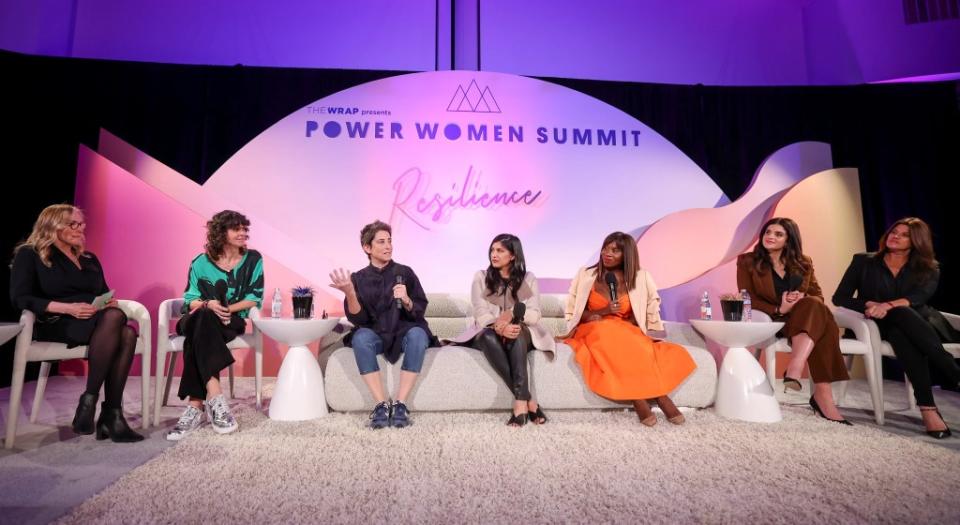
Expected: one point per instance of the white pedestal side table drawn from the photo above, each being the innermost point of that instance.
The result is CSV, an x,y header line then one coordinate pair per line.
x,y
298,394
743,391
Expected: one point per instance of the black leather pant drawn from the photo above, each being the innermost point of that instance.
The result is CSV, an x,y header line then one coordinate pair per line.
x,y
508,359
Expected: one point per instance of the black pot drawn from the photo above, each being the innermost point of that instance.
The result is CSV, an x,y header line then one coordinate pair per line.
x,y
302,307
732,310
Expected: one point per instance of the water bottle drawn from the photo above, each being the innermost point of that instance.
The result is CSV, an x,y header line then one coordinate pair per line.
x,y
706,311
277,304
747,306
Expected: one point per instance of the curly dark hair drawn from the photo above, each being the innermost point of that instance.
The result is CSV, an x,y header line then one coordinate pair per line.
x,y
496,284
217,229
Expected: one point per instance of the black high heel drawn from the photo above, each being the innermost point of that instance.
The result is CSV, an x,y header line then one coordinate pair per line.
x,y
816,409
790,383
518,420
537,417
937,434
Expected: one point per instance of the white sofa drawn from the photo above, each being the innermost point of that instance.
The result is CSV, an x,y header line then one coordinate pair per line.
x,y
458,378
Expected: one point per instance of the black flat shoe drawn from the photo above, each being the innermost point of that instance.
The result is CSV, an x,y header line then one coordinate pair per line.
x,y
816,409
538,417
518,420
937,434
790,383
83,418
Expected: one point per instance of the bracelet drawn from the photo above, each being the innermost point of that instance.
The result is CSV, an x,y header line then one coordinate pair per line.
x,y
204,304
888,303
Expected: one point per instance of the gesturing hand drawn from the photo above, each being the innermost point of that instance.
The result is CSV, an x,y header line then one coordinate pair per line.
x,y
340,279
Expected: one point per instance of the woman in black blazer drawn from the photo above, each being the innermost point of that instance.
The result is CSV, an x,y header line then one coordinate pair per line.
x,y
892,287
55,278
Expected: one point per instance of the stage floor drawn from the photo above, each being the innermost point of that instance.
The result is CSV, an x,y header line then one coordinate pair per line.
x,y
51,470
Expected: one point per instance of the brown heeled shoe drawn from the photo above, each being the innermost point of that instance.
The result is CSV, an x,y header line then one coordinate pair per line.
x,y
649,420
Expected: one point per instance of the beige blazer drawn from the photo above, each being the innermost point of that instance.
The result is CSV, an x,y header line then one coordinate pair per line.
x,y
644,300
487,307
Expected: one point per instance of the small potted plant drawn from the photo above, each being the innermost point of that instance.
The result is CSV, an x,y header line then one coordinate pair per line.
x,y
732,306
302,301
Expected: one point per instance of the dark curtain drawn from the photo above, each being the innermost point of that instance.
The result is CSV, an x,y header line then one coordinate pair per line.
x,y
902,137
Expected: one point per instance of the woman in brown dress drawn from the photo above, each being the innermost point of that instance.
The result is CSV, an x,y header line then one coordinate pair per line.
x,y
782,284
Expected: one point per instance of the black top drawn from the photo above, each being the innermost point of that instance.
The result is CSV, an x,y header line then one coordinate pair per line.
x,y
871,280
780,284
378,308
33,285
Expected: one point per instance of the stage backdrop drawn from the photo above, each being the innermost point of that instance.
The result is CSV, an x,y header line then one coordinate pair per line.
x,y
451,159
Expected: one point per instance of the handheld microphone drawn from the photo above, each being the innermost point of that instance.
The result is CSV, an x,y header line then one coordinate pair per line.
x,y
612,283
399,302
519,310
221,290
794,282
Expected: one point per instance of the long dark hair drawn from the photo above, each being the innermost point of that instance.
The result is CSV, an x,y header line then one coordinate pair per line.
x,y
922,259
217,228
496,285
794,261
631,258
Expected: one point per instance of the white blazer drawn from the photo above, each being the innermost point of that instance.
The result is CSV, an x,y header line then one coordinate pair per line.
x,y
644,300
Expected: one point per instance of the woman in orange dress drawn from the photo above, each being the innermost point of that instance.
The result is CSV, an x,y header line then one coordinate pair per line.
x,y
608,333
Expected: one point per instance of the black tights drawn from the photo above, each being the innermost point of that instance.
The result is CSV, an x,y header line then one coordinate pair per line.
x,y
110,354
508,358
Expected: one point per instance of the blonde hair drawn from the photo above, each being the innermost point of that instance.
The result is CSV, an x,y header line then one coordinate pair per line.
x,y
52,219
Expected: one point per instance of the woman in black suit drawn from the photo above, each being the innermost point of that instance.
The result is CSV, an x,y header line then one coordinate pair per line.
x,y
55,278
892,287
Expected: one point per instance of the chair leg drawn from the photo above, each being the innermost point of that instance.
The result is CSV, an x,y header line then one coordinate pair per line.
x,y
258,375
842,387
159,382
873,381
770,358
16,391
166,389
145,390
911,400
41,387
230,373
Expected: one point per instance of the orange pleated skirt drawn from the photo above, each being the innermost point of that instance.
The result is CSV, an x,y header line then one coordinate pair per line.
x,y
619,361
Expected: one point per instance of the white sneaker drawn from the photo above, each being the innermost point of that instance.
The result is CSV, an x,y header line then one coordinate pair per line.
x,y
219,414
190,420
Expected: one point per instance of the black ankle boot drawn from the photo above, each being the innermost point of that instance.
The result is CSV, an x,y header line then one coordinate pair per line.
x,y
112,425
86,409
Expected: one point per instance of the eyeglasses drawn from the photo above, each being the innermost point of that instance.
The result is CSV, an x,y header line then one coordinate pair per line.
x,y
76,225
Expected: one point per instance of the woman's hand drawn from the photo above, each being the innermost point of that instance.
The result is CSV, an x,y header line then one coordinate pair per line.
x,y
340,279
511,331
112,303
876,310
788,300
400,292
80,310
223,312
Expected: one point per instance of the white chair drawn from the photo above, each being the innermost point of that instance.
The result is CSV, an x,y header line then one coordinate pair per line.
x,y
29,350
848,347
168,342
883,348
